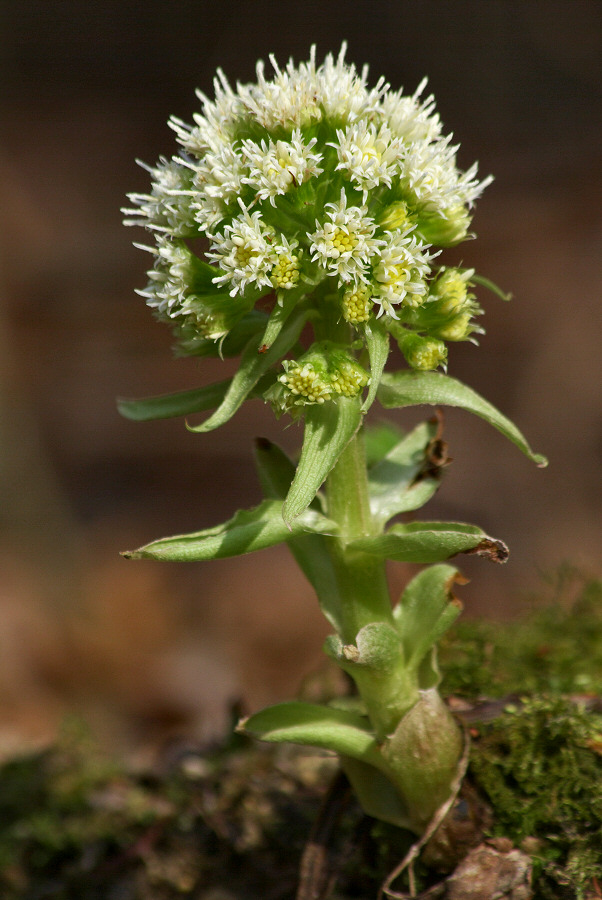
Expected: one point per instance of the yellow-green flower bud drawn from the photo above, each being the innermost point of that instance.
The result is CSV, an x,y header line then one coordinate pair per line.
x,y
421,352
457,329
305,382
444,230
449,308
210,325
357,304
325,370
395,217
285,274
347,377
451,290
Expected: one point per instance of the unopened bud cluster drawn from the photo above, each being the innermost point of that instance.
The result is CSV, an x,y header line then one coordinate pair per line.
x,y
310,184
323,373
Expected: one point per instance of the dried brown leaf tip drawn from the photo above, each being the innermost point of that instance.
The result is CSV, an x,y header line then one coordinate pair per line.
x,y
436,456
491,549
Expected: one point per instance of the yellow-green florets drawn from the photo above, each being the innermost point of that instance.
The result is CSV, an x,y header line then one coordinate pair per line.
x,y
305,383
348,378
421,352
285,274
451,289
327,370
357,304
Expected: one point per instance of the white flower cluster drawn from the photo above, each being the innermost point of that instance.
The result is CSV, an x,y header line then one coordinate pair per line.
x,y
369,156
305,177
169,280
345,244
275,166
167,208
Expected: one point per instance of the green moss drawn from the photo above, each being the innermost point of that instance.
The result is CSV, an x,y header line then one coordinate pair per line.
x,y
76,826
539,764
540,767
63,813
556,648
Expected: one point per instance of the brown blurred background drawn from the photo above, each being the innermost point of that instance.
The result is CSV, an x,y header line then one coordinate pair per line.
x,y
145,650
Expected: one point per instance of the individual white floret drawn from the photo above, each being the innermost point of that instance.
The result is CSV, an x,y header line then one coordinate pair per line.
x,y
370,156
346,244
276,166
399,276
167,207
245,252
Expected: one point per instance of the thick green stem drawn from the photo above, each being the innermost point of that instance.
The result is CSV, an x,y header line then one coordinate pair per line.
x,y
362,577
419,740
388,691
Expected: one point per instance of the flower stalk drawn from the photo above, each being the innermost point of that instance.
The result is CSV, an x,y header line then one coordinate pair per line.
x,y
326,204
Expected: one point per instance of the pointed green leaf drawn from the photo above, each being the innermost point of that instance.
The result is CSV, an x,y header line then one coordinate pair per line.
x,y
333,729
376,793
398,482
183,403
491,286
328,429
274,468
426,610
254,363
411,388
377,341
429,542
276,472
287,301
379,439
247,530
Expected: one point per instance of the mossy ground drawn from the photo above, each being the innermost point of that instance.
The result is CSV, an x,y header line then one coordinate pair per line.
x,y
539,763
230,823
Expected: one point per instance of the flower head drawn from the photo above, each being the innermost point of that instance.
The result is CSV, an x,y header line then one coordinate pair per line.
x,y
448,311
167,208
170,278
276,166
244,252
370,156
286,271
325,371
400,275
421,352
357,303
345,245
315,195
305,382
